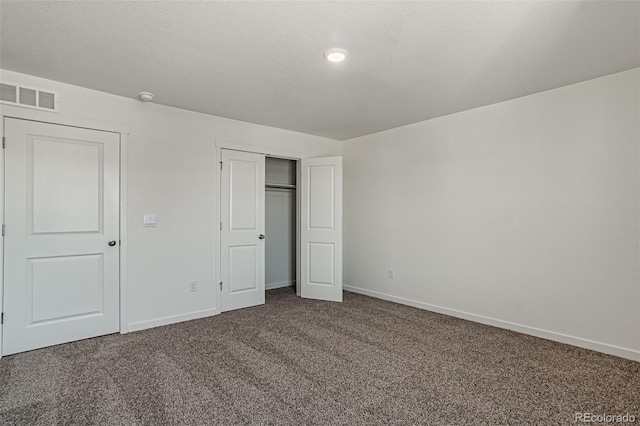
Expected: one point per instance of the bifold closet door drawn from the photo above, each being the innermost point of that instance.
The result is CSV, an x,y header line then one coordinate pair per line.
x,y
321,229
62,234
242,244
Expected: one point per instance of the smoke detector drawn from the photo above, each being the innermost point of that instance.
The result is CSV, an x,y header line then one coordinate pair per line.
x,y
146,96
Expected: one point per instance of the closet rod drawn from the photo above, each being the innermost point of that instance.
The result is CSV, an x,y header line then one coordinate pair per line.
x,y
280,186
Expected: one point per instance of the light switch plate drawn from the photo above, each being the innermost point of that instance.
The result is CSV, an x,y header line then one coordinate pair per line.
x,y
150,221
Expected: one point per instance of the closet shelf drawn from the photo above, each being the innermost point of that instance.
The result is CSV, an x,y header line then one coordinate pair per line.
x,y
280,186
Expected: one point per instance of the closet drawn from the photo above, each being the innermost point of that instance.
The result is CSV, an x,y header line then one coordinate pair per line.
x,y
280,223
268,237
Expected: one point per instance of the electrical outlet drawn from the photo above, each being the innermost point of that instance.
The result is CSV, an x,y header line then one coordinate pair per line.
x,y
193,285
391,273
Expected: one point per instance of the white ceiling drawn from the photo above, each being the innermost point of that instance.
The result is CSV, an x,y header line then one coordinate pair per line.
x,y
262,61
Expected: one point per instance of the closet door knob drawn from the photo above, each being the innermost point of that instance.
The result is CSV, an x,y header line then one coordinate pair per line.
x,y
261,236
112,243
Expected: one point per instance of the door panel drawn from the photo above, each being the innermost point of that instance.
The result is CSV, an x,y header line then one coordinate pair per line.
x,y
64,184
321,197
49,284
321,229
321,263
244,195
241,277
62,208
242,215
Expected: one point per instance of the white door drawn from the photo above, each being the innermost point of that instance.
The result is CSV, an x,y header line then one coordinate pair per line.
x,y
242,236
321,229
62,209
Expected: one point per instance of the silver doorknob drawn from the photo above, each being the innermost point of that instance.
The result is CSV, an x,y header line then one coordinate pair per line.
x,y
112,243
261,236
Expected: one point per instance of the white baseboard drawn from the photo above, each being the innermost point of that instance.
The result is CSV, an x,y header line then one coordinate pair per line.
x,y
537,332
271,286
142,325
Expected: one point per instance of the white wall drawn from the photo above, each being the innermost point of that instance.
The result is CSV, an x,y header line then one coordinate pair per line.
x,y
171,173
523,214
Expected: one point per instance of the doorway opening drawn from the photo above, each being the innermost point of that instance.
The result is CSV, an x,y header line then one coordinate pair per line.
x,y
281,216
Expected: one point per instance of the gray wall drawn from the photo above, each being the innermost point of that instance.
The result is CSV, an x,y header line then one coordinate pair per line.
x,y
280,221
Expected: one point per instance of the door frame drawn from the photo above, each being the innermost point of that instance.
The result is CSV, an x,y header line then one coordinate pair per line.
x,y
267,152
9,111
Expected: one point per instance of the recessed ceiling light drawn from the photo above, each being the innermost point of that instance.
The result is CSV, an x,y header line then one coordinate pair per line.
x,y
146,96
336,55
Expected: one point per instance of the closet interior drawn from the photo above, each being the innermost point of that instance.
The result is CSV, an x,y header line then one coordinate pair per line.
x,y
280,222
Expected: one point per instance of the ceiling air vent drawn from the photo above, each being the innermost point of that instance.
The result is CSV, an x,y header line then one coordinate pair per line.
x,y
29,97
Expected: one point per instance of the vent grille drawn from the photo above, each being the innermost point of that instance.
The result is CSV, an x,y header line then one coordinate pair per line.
x,y
8,93
47,100
28,97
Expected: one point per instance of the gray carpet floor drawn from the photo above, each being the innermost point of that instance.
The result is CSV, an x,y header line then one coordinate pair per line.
x,y
305,362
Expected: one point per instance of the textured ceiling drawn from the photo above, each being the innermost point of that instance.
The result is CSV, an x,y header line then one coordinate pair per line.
x,y
262,61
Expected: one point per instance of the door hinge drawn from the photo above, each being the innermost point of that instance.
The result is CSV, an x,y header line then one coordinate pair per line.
x,y
2,318
220,285
3,230
4,143
221,226
221,165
